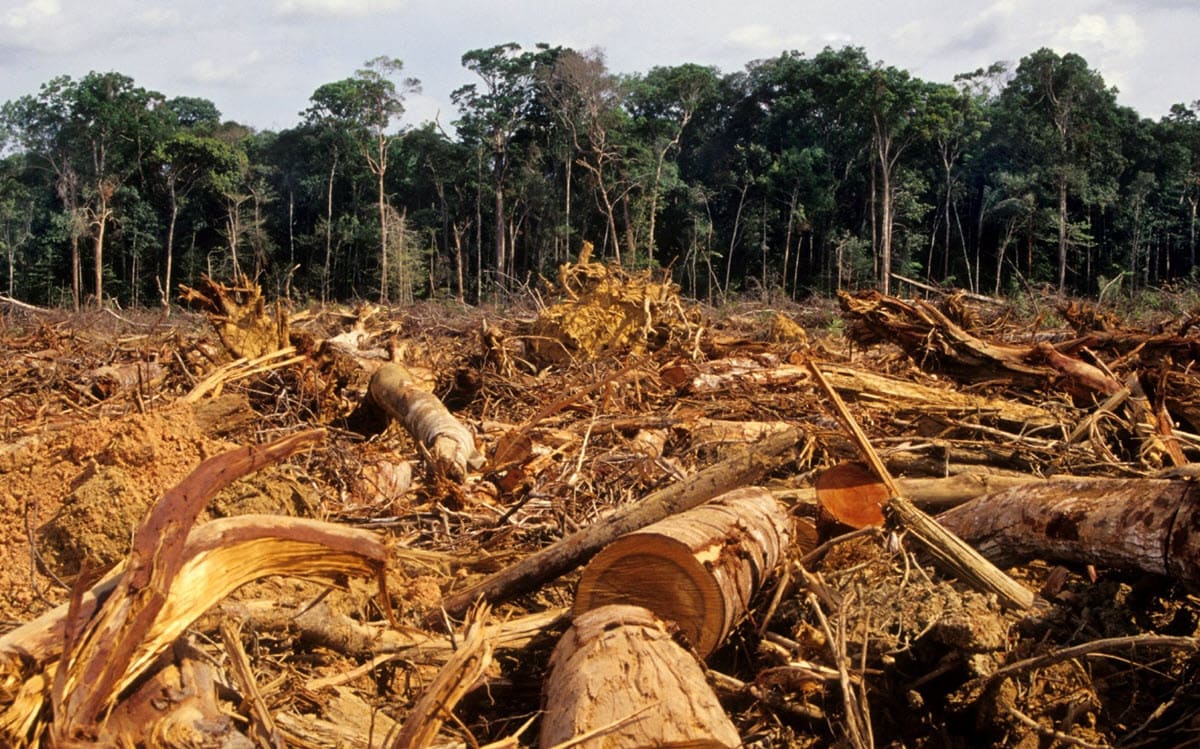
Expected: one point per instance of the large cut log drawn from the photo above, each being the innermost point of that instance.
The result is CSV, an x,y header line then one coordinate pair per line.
x,y
1151,525
697,569
742,467
451,445
619,680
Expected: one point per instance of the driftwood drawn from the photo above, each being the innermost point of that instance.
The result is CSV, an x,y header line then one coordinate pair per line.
x,y
450,445
742,467
697,570
619,680
1142,524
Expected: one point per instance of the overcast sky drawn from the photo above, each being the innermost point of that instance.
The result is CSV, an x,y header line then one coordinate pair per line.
x,y
260,60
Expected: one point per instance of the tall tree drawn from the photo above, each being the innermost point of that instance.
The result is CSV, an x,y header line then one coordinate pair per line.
x,y
364,108
1058,115
663,103
493,111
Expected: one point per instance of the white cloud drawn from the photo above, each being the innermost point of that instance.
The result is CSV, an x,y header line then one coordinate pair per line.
x,y
761,39
224,71
156,17
1121,35
336,7
32,13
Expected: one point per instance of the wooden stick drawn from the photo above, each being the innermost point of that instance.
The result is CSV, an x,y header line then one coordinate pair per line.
x,y
743,467
952,553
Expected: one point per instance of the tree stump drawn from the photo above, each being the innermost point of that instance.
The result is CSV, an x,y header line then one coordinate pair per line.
x,y
697,569
618,675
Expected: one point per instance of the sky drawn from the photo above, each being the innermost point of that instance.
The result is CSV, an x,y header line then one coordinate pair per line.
x,y
260,60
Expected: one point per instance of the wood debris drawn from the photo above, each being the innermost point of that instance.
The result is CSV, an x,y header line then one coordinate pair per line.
x,y
622,446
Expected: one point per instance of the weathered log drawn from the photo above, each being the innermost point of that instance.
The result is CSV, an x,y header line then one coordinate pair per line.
x,y
744,466
1151,525
451,445
697,569
868,388
619,680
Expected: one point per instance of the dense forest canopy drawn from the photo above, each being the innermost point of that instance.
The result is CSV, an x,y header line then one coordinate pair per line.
x,y
798,175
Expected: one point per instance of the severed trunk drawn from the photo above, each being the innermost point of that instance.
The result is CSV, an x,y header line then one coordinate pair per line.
x,y
618,679
1142,524
697,569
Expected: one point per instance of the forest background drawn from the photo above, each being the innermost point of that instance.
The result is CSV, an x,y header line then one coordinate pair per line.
x,y
796,176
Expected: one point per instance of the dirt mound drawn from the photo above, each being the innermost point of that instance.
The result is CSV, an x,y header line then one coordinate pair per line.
x,y
81,490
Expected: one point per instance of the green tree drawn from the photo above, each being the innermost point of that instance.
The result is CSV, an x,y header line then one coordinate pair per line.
x,y
363,108
493,112
1058,117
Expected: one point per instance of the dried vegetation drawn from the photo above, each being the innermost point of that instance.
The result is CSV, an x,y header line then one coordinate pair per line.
x,y
263,527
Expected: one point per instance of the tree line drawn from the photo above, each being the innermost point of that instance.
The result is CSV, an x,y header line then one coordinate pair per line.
x,y
797,175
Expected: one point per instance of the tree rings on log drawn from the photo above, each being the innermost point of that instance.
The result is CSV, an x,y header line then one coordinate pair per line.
x,y
853,495
697,569
618,674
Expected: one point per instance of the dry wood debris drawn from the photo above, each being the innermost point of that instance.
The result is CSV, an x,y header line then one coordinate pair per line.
x,y
580,455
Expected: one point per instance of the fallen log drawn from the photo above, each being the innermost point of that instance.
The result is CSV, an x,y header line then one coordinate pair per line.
x,y
868,388
742,467
450,445
1152,525
618,679
697,570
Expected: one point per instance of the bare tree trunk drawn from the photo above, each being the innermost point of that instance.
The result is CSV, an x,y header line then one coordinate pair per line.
x,y
1062,234
328,230
383,239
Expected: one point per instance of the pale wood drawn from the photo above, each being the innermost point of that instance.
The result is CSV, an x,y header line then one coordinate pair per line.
x,y
618,675
744,466
697,570
450,444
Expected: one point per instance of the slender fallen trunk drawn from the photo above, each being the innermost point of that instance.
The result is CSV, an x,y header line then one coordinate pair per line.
x,y
618,679
451,445
743,467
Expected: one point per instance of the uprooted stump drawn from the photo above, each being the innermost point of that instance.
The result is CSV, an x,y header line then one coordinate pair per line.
x,y
606,309
240,315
